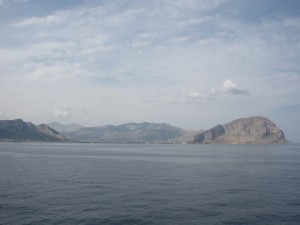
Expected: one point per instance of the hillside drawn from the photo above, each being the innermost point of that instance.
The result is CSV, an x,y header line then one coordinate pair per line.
x,y
18,130
255,130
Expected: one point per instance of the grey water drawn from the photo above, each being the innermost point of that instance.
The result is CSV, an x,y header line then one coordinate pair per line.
x,y
149,184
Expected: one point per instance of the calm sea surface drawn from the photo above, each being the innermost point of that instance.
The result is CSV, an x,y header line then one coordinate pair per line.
x,y
149,184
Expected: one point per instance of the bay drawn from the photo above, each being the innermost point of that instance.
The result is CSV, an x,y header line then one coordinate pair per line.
x,y
43,183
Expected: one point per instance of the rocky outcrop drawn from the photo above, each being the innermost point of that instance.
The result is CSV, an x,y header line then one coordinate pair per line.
x,y
255,130
210,135
18,130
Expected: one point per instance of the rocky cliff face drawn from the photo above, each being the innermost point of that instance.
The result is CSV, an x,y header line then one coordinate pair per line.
x,y
18,130
210,135
256,130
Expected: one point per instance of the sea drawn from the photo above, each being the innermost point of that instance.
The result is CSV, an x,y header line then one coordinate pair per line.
x,y
51,183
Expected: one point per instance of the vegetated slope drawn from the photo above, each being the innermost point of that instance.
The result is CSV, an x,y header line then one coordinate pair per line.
x,y
255,130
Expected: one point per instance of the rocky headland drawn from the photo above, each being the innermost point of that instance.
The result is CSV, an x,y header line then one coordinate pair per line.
x,y
252,130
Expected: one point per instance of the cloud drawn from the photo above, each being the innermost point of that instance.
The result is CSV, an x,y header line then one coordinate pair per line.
x,y
64,113
57,72
38,21
213,93
140,43
179,39
196,95
2,2
232,88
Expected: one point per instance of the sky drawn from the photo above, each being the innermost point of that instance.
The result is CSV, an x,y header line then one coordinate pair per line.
x,y
190,63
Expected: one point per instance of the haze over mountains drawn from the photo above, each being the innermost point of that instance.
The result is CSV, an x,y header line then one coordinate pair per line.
x,y
65,127
254,130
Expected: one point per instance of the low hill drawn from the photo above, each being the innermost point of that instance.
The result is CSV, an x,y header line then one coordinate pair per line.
x,y
255,130
18,130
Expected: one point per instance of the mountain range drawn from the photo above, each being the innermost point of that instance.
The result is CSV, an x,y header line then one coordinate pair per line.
x,y
133,133
252,130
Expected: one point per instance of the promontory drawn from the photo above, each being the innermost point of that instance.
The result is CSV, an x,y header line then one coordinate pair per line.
x,y
252,130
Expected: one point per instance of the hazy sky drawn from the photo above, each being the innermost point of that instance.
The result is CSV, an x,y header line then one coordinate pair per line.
x,y
190,63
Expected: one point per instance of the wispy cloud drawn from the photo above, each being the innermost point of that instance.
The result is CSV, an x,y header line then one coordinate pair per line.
x,y
38,21
179,39
3,2
198,96
228,87
107,38
232,88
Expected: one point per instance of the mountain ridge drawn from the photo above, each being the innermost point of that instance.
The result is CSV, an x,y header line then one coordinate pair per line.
x,y
132,133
